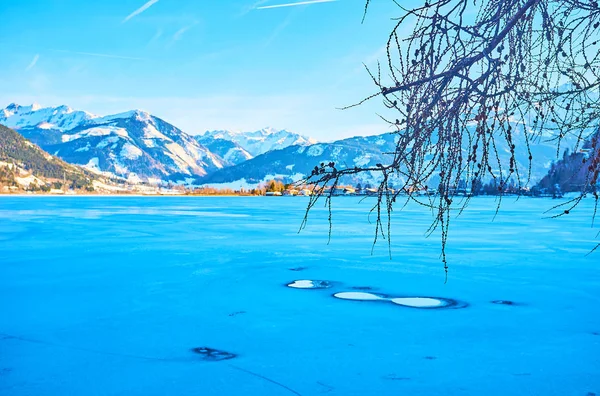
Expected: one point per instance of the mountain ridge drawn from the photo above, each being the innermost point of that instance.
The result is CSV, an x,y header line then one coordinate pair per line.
x,y
295,162
25,165
134,145
138,146
261,141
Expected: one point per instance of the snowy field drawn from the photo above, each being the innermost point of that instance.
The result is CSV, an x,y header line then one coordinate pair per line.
x,y
188,296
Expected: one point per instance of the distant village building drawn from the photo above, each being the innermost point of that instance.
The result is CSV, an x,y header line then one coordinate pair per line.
x,y
343,190
290,193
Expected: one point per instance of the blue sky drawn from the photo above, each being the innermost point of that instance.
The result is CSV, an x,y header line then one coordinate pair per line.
x,y
201,65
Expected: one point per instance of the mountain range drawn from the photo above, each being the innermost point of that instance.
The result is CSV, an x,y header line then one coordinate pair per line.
x,y
136,146
294,162
259,142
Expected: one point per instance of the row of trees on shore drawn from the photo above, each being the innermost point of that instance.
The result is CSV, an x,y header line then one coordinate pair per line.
x,y
262,189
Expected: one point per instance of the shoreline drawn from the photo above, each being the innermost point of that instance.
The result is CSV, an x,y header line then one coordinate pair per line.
x,y
565,197
123,195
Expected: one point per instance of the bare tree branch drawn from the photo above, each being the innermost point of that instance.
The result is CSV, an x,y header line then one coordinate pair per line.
x,y
475,79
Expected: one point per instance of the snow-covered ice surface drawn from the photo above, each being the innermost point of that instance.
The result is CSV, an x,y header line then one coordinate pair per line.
x,y
310,284
417,302
189,296
359,296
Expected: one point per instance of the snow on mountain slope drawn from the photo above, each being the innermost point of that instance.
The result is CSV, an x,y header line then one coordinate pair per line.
x,y
138,146
134,145
230,152
294,162
61,118
262,141
31,167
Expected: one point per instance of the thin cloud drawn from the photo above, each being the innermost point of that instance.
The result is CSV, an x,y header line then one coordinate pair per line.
x,y
98,55
279,29
178,34
249,8
140,10
156,36
295,4
33,62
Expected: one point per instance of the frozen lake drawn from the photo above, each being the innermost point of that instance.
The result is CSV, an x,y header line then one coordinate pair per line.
x,y
110,296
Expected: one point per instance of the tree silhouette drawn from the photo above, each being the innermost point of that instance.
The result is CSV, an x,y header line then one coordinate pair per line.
x,y
469,77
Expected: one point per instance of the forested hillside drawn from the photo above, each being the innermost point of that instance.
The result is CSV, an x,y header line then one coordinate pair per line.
x,y
23,164
571,173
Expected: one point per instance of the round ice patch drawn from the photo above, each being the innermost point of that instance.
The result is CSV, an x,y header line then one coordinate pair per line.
x,y
310,284
418,302
360,296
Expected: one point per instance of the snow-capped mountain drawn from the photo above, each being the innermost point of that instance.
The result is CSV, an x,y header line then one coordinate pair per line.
x,y
230,152
295,162
133,145
260,142
140,147
61,118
